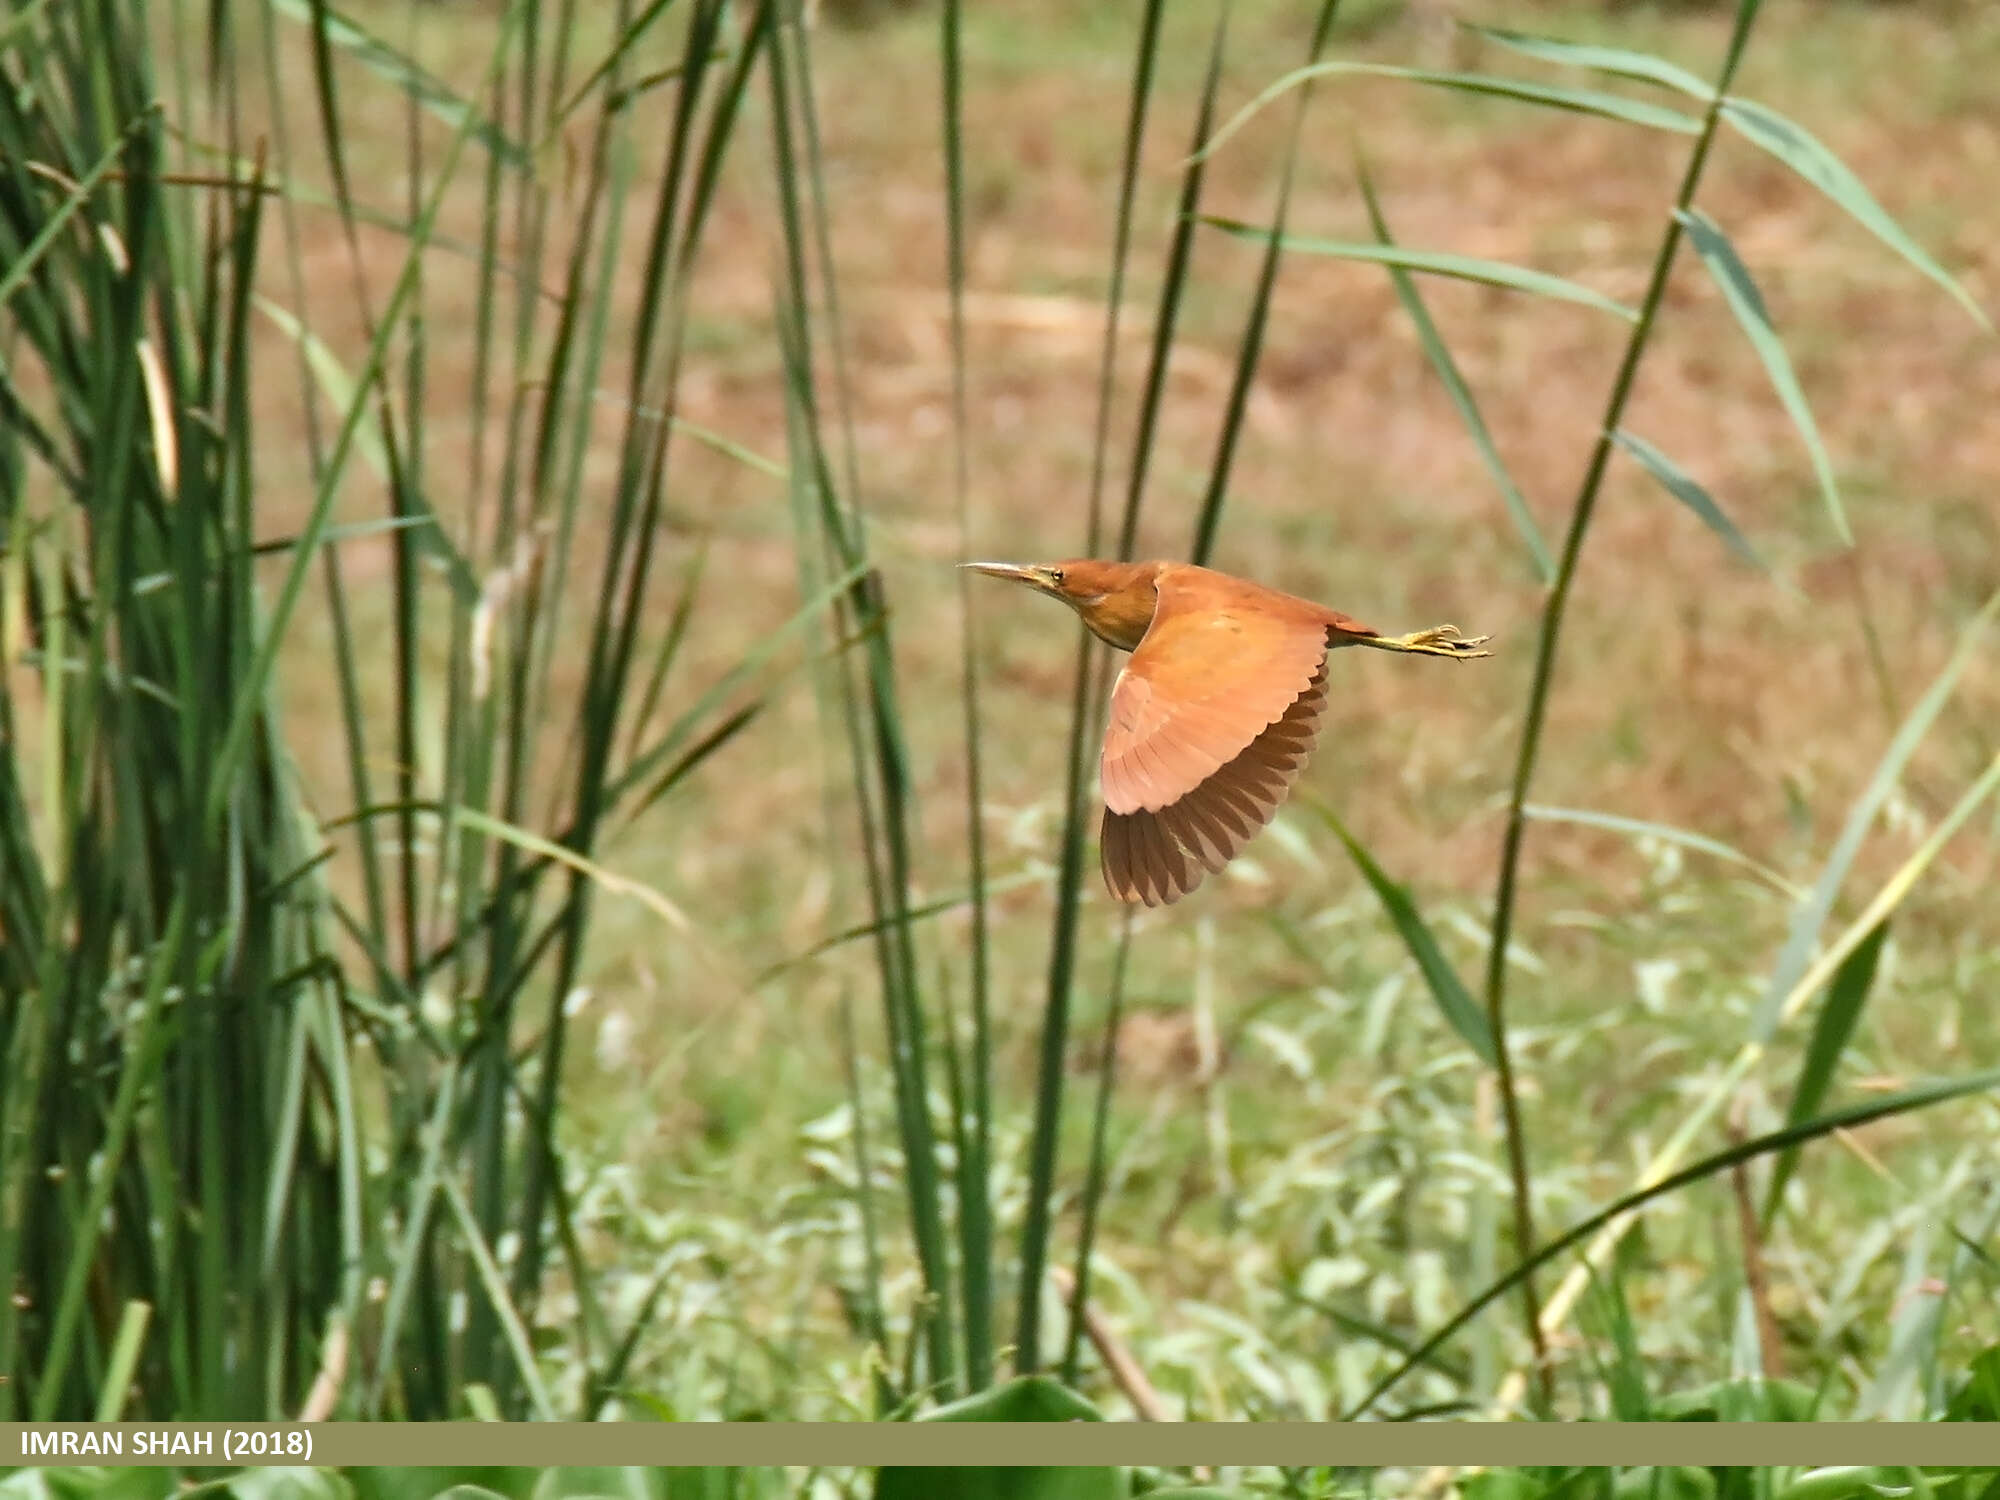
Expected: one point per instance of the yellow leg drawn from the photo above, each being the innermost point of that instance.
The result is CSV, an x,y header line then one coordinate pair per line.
x,y
1439,640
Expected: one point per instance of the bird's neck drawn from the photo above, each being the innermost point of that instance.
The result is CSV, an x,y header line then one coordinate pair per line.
x,y
1120,619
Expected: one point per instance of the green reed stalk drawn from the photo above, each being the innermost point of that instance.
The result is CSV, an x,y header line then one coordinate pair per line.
x,y
1536,714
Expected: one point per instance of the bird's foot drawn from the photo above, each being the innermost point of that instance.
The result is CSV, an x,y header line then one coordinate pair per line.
x,y
1439,640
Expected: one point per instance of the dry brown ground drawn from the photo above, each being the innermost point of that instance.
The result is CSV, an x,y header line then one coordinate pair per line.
x,y
1691,690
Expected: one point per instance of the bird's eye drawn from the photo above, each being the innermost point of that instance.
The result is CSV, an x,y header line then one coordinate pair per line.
x,y
1055,575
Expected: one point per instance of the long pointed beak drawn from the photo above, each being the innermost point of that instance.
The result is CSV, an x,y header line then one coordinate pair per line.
x,y
1019,572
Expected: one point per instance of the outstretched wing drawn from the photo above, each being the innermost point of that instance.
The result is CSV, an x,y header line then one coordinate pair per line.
x,y
1211,722
1222,662
1158,855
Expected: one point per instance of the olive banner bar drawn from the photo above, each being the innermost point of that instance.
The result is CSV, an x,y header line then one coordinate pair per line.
x,y
778,1444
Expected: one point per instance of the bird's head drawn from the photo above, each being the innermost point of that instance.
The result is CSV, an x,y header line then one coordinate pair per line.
x,y
1115,599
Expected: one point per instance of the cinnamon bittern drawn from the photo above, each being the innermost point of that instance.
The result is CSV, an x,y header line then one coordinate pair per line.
x,y
1213,718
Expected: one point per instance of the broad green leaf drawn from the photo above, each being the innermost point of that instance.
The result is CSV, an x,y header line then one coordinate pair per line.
x,y
1464,1016
1684,488
1439,354
1642,66
1831,1033
1435,263
1978,1400
1733,277
1552,96
1798,149
1029,1398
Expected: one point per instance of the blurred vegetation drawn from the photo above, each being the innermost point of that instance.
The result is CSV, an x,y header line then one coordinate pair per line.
x,y
1689,1482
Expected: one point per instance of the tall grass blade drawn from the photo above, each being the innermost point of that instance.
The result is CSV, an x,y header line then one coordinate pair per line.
x,y
1100,1153
493,1283
1725,1084
563,852
975,1209
22,265
412,1264
1641,828
1621,62
404,73
1904,1101
1434,263
608,73
1251,346
873,1321
123,1361
647,760
1069,878
623,607
1685,488
1439,355
1591,102
148,1043
1740,291
957,901
1173,290
1173,284
372,447
1506,886
1895,1389
1795,146
1839,1014
1461,1012
242,713
883,791
1887,776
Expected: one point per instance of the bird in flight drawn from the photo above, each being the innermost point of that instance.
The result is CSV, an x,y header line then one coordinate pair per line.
x,y
1213,717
